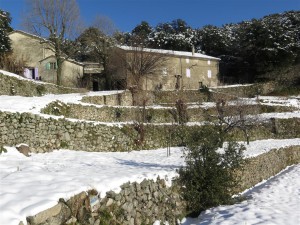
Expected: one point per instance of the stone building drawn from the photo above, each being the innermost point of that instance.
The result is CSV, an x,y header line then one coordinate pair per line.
x,y
40,60
179,70
94,78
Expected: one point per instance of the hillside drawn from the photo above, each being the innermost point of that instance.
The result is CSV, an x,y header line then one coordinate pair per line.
x,y
85,141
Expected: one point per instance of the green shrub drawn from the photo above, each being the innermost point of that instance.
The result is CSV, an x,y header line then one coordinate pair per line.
x,y
41,90
57,108
64,144
205,90
286,91
2,150
208,176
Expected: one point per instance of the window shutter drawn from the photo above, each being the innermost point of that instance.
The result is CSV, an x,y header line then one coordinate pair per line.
x,y
48,66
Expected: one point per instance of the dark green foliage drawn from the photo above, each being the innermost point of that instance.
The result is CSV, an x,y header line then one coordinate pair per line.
x,y
2,150
57,108
247,49
41,90
205,90
142,31
286,91
5,28
118,113
64,144
208,176
251,48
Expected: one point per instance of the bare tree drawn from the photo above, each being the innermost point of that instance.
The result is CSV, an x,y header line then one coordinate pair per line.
x,y
140,65
56,19
105,25
236,114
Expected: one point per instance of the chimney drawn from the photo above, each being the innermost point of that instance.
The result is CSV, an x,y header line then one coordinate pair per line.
x,y
193,50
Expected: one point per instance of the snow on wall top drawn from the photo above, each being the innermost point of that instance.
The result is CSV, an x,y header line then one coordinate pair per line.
x,y
168,52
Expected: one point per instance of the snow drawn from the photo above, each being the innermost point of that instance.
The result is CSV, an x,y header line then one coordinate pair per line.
x,y
29,185
169,52
276,201
32,184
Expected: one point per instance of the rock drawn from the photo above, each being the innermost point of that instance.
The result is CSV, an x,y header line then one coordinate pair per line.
x,y
109,202
83,215
56,215
72,220
128,206
97,222
110,194
24,149
76,202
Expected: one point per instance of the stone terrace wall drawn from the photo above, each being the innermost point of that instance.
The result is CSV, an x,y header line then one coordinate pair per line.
x,y
152,115
247,90
45,134
143,203
13,86
267,165
121,99
136,204
170,97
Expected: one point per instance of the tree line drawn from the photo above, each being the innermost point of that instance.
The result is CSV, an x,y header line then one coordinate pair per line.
x,y
247,49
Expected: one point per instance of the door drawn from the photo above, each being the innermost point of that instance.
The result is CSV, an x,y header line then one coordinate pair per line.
x,y
95,86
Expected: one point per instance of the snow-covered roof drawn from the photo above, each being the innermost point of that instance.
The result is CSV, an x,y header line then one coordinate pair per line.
x,y
29,34
168,52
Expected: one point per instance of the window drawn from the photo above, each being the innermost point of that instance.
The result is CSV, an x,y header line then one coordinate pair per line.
x,y
208,62
188,72
209,73
187,60
51,66
164,71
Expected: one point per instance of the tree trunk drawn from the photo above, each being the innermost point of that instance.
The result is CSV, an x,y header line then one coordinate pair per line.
x,y
59,71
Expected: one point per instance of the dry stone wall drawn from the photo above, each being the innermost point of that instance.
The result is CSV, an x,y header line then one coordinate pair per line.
x,y
143,203
136,204
124,98
151,115
170,97
13,86
45,134
267,165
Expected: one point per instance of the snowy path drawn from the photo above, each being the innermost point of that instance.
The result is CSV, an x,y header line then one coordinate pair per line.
x,y
277,201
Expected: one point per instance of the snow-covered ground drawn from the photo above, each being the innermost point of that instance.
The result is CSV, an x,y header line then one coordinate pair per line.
x,y
276,201
29,185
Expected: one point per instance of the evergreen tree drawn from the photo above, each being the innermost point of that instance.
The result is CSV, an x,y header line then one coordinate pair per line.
x,y
176,35
142,31
208,177
5,28
96,47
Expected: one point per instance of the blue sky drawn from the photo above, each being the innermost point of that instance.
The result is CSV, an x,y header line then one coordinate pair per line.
x,y
126,14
